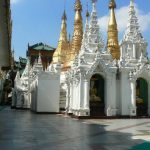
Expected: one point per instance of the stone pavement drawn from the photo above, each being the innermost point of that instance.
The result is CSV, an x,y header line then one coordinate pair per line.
x,y
2,107
23,130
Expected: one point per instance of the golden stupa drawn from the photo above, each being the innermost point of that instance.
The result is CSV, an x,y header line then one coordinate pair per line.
x,y
112,42
67,49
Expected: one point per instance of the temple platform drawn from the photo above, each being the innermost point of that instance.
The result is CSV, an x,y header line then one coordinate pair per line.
x,y
22,130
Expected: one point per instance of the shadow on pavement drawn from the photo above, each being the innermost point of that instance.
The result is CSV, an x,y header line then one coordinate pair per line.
x,y
22,130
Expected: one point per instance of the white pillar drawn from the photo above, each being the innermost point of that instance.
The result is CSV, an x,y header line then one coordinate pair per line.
x,y
121,51
133,98
133,94
86,95
75,97
134,51
111,105
67,98
71,97
81,92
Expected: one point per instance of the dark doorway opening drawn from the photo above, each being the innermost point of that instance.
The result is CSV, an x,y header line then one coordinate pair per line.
x,y
97,96
142,97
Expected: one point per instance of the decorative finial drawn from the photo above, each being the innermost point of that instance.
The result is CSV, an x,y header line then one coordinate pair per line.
x,y
94,5
87,13
112,4
131,2
64,17
78,6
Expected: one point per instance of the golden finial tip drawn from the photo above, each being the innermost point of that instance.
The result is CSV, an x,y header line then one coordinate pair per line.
x,y
64,17
112,4
78,5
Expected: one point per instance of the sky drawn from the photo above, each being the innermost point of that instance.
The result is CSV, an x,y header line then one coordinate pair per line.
x,y
37,21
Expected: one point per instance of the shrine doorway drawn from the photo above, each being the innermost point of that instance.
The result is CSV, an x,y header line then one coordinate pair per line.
x,y
142,97
97,95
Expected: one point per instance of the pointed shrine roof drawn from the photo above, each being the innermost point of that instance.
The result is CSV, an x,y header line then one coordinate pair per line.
x,y
42,46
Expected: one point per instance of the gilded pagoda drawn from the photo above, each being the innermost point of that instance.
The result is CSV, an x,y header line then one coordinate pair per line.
x,y
67,49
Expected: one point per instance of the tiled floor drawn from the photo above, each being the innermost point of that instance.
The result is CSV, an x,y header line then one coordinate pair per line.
x,y
23,130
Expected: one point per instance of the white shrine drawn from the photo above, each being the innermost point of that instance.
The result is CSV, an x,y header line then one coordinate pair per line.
x,y
100,85
20,93
110,81
37,89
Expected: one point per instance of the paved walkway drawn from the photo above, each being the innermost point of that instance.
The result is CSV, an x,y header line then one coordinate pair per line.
x,y
23,130
2,107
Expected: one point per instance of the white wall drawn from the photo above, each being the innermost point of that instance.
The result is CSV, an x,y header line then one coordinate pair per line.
x,y
48,93
125,94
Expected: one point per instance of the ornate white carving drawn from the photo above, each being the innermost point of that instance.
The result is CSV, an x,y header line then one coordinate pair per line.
x,y
133,44
132,32
92,40
139,70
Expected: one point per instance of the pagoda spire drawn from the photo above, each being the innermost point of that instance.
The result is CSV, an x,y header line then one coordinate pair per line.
x,y
133,30
94,36
63,41
85,34
112,42
78,28
133,45
63,33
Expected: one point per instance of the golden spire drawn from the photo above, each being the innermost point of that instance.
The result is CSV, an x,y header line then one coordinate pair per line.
x,y
63,34
112,42
78,6
75,45
78,29
62,43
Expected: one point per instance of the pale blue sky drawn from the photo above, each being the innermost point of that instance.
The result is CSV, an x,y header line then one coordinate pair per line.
x,y
39,20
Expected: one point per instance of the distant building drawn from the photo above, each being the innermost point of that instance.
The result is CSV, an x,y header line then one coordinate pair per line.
x,y
20,65
5,34
44,50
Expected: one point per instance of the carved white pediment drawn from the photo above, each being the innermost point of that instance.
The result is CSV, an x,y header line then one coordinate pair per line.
x,y
99,69
99,66
140,70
